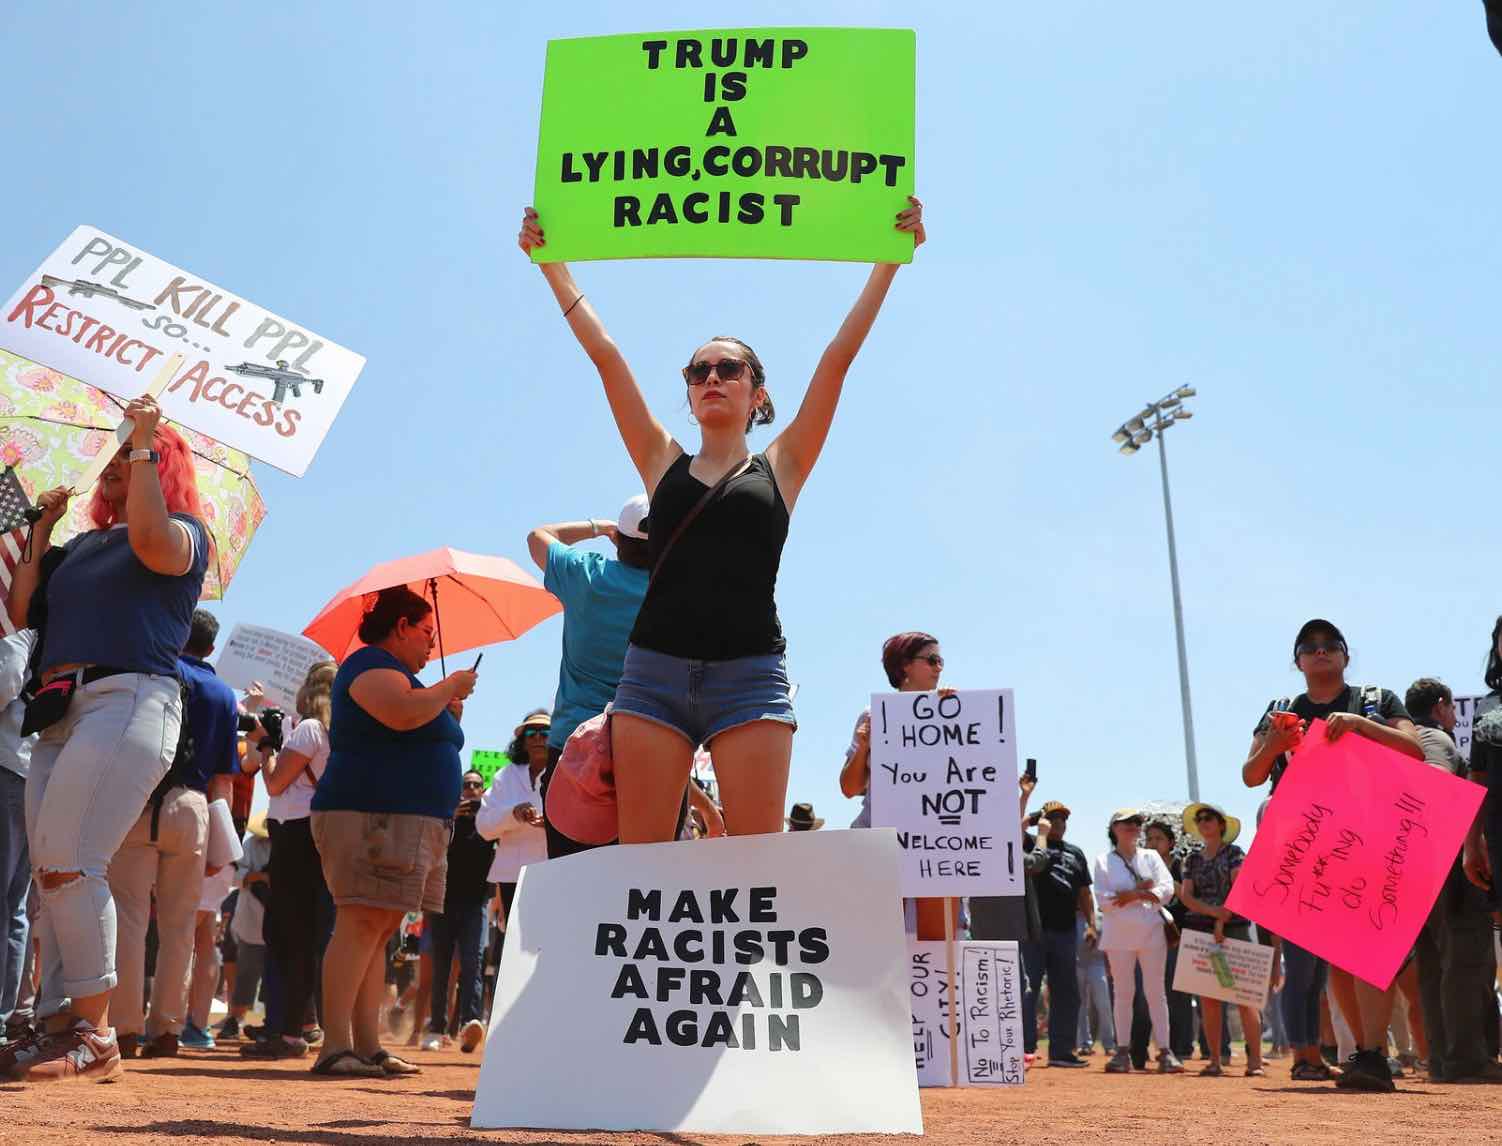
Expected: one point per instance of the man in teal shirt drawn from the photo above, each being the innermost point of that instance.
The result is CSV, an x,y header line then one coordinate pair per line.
x,y
601,597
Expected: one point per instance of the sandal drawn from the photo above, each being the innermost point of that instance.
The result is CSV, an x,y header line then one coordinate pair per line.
x,y
347,1064
390,1064
1212,1071
1256,1071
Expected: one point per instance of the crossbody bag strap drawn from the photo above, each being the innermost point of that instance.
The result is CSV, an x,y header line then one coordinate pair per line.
x,y
688,518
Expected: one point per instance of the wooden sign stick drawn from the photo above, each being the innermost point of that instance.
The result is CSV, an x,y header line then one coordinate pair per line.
x,y
954,1002
103,458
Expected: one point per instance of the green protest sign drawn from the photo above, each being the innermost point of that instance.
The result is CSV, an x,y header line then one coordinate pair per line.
x,y
792,143
487,763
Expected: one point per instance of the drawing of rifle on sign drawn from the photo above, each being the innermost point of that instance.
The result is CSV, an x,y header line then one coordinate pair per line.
x,y
113,316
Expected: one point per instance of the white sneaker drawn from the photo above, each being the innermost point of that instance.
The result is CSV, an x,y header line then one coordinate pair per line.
x,y
430,1041
471,1035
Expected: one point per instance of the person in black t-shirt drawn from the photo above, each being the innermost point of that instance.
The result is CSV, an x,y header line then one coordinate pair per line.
x,y
1320,652
705,664
1063,894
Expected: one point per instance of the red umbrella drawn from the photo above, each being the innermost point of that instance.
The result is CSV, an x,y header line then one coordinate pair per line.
x,y
484,600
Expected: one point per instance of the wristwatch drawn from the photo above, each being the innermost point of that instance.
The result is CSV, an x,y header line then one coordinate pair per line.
x,y
145,456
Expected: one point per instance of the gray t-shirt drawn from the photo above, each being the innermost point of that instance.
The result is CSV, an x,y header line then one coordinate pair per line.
x,y
1439,750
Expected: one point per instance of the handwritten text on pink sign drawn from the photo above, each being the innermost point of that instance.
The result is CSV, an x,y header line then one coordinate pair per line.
x,y
1352,852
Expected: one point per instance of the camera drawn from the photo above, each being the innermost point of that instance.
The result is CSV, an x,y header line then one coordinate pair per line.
x,y
270,720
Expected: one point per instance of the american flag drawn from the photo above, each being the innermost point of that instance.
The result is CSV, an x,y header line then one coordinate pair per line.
x,y
13,506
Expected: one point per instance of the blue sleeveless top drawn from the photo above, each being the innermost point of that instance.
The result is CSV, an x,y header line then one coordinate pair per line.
x,y
375,768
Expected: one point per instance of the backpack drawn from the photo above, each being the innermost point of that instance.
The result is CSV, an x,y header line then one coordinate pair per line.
x,y
1366,700
181,759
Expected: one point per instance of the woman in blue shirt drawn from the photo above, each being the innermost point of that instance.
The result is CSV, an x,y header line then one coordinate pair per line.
x,y
382,816
119,602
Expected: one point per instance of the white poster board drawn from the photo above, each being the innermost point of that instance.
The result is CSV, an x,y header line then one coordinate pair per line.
x,y
111,315
750,985
1465,720
988,982
1244,975
944,774
280,661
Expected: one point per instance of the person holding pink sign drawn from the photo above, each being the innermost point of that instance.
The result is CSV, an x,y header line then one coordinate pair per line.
x,y
1322,655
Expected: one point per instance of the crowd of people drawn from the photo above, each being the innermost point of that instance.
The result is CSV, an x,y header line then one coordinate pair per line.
x,y
379,882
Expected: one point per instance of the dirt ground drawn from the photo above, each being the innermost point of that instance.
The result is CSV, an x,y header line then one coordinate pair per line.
x,y
215,1097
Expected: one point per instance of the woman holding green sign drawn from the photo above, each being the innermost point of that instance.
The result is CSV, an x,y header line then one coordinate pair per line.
x,y
705,664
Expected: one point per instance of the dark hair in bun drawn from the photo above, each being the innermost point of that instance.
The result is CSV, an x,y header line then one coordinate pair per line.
x,y
390,606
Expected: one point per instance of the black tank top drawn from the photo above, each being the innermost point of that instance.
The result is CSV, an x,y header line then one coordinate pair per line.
x,y
712,600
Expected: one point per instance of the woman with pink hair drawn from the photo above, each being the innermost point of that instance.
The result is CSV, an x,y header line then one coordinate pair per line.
x,y
114,606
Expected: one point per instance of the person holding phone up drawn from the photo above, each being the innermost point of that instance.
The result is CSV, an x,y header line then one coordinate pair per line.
x,y
381,816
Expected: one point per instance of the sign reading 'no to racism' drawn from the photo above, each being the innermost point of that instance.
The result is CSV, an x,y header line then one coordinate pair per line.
x,y
755,143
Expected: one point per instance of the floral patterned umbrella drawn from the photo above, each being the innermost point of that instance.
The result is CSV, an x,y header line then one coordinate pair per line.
x,y
51,426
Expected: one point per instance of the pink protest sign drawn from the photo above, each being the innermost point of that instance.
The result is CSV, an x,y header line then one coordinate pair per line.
x,y
1352,851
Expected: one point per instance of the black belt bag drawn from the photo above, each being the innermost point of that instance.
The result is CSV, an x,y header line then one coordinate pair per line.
x,y
48,704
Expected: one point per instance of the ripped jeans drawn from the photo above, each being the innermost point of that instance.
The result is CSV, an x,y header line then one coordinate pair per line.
x,y
92,773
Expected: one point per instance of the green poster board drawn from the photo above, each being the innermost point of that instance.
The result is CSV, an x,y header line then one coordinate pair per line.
x,y
487,763
786,143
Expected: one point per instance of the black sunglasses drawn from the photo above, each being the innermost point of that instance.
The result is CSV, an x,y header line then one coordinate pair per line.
x,y
934,659
728,369
1309,648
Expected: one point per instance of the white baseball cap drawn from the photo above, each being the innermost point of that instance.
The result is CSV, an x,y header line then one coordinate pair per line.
x,y
628,524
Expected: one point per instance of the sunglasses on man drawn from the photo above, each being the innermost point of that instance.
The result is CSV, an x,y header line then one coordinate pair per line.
x,y
1310,648
728,370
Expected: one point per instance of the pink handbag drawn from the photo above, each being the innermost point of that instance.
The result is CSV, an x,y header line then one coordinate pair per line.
x,y
581,795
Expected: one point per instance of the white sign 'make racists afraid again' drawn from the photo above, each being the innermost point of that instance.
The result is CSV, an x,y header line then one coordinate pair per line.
x,y
749,985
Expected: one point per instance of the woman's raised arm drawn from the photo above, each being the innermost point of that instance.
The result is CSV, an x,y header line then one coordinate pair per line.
x,y
650,445
797,448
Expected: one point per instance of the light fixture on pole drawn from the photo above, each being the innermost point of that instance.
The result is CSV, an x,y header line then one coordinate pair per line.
x,y
1130,437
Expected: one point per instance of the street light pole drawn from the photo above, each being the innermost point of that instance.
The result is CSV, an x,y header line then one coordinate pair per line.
x,y
1131,436
1178,624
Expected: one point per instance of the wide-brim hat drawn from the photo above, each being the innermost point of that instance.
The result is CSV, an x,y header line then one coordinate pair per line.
x,y
802,819
536,720
1233,825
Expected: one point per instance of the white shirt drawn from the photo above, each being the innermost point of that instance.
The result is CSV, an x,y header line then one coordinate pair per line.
x,y
519,843
250,915
296,802
1137,925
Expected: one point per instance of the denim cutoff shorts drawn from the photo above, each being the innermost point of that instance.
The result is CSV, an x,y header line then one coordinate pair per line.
x,y
701,699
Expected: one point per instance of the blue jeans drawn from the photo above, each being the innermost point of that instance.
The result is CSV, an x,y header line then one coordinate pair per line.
x,y
15,883
461,927
1095,1001
1303,984
1052,957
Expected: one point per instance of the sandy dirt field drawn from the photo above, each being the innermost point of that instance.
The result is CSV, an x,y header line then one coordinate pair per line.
x,y
215,1097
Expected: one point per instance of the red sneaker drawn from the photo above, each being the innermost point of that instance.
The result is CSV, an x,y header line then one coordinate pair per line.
x,y
80,1052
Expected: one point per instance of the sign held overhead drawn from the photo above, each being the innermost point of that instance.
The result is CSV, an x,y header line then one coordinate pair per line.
x,y
111,315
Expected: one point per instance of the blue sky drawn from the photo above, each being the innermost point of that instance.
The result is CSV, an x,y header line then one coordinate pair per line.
x,y
1292,207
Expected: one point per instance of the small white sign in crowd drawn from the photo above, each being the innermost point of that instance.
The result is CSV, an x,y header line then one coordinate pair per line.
x,y
988,986
280,661
944,774
1233,971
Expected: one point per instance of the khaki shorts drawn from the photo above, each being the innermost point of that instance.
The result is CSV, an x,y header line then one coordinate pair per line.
x,y
381,859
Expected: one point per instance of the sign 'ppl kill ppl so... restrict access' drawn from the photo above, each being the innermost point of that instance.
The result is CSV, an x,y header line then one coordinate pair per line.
x,y
793,143
1352,852
749,985
112,315
944,774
